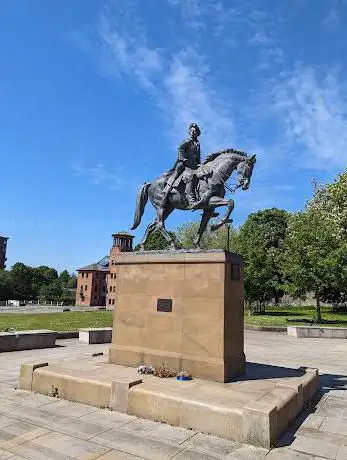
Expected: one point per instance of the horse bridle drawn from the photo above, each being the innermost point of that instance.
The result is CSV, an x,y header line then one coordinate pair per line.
x,y
238,185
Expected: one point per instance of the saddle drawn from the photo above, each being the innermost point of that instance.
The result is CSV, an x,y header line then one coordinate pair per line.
x,y
202,171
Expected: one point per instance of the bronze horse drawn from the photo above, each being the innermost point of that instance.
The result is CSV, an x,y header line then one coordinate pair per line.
x,y
212,176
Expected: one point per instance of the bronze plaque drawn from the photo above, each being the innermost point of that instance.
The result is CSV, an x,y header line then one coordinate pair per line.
x,y
164,305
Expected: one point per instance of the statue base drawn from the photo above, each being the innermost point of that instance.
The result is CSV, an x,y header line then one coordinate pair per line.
x,y
181,310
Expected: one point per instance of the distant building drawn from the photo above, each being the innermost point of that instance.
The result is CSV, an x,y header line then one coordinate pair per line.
x,y
91,285
96,282
3,246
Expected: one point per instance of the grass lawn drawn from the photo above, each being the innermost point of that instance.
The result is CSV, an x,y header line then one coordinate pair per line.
x,y
72,321
61,321
275,316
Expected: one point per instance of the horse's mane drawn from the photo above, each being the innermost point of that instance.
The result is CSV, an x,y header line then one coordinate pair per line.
x,y
214,155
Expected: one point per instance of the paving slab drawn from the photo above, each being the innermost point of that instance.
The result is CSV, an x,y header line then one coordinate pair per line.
x,y
107,418
63,424
159,431
118,455
150,449
314,446
189,454
212,445
57,446
334,425
283,453
313,422
69,408
246,452
342,453
19,433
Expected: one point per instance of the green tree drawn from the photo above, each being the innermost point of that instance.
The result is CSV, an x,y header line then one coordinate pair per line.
x,y
21,277
72,283
6,288
329,203
210,240
260,242
42,275
155,242
64,278
316,246
51,291
308,259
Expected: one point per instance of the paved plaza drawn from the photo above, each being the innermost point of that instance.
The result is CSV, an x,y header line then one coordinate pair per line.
x,y
34,426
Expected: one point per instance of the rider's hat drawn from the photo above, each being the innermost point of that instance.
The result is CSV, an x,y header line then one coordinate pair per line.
x,y
194,125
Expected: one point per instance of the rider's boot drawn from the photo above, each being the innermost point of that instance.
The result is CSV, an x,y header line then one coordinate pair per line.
x,y
166,192
190,193
192,202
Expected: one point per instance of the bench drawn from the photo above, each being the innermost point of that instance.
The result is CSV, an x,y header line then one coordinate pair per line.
x,y
95,335
27,340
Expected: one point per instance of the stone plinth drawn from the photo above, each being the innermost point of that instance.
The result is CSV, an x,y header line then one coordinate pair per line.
x,y
27,340
181,309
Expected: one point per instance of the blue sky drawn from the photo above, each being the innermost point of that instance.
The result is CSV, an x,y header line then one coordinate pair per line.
x,y
95,96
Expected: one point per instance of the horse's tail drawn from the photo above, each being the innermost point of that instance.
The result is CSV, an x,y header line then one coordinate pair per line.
x,y
142,199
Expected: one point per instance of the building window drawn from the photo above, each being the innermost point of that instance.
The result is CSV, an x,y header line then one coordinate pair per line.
x,y
109,301
85,287
82,275
112,301
86,275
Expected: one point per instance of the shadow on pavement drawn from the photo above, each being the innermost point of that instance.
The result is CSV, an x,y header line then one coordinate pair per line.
x,y
328,382
258,371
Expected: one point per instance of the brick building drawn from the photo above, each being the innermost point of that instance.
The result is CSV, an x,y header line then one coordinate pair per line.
x,y
91,285
96,282
122,242
3,246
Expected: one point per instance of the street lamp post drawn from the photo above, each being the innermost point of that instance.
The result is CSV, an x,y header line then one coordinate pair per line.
x,y
228,237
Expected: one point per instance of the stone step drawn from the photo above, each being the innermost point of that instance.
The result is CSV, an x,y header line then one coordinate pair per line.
x,y
252,411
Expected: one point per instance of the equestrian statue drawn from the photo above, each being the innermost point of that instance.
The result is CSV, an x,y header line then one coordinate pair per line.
x,y
192,185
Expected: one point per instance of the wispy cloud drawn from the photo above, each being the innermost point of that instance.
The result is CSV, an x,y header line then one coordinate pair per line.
x,y
314,111
187,96
179,81
331,20
128,53
99,174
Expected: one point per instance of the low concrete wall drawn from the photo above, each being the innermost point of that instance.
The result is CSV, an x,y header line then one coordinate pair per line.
x,y
317,332
67,335
95,335
27,340
265,328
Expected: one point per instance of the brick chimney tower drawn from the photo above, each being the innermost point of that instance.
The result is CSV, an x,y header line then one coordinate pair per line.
x,y
122,242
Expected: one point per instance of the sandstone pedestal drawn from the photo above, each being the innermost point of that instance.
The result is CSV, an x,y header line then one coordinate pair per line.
x,y
183,310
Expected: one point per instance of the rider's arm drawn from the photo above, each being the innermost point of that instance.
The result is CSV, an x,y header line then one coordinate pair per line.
x,y
198,158
182,151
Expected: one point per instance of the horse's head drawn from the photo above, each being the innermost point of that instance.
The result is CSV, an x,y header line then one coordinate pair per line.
x,y
244,180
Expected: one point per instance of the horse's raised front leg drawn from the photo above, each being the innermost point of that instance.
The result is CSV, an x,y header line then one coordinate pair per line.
x,y
207,214
216,202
